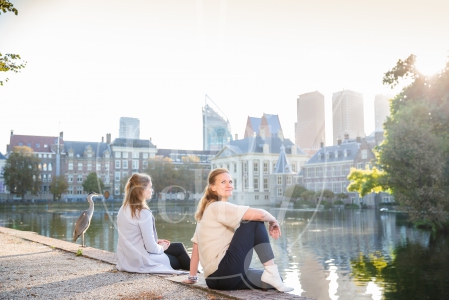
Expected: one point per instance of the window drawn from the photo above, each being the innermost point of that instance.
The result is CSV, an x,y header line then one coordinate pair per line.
x,y
44,178
279,192
274,166
70,190
265,183
98,167
279,180
265,168
319,172
79,178
245,167
106,167
70,167
106,179
360,165
364,154
117,164
256,197
289,180
39,166
294,167
117,190
70,178
89,155
117,177
79,190
117,154
336,154
80,166
235,167
49,177
50,167
125,164
266,197
89,167
256,183
135,154
125,175
145,164
125,155
135,164
256,168
145,155
70,154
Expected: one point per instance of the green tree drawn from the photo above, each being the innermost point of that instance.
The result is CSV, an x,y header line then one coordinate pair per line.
x,y
308,195
21,171
414,157
58,187
367,181
294,191
162,172
93,184
9,62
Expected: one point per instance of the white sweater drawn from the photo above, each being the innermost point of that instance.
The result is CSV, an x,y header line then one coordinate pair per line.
x,y
214,233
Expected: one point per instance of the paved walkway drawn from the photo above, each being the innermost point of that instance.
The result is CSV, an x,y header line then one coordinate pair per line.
x,y
22,274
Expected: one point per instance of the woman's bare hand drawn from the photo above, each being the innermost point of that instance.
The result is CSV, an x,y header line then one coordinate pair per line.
x,y
274,230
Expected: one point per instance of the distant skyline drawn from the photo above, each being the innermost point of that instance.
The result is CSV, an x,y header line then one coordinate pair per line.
x,y
91,62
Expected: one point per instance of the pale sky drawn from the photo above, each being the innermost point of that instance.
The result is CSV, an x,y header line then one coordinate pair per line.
x,y
91,62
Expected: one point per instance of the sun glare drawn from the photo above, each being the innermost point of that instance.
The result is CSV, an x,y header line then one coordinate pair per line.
x,y
430,63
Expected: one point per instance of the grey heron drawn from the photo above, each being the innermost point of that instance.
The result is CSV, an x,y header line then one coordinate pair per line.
x,y
83,221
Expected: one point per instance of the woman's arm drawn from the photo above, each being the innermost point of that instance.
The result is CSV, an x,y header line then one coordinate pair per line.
x,y
194,260
146,228
256,214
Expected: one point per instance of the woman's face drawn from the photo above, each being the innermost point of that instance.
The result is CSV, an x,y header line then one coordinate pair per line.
x,y
223,186
148,191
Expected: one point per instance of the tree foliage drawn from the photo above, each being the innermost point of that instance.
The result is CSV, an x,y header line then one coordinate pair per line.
x,y
9,62
162,172
367,181
58,187
93,184
294,191
21,171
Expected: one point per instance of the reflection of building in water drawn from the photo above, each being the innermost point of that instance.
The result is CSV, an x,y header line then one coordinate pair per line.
x,y
216,130
327,248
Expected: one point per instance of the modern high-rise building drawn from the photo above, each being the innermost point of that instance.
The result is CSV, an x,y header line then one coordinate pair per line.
x,y
348,115
381,110
129,128
216,130
310,124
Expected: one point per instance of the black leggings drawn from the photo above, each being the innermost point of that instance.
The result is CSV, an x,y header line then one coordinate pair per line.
x,y
178,256
233,272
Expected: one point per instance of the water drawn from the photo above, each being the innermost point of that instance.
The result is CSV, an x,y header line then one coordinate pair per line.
x,y
338,254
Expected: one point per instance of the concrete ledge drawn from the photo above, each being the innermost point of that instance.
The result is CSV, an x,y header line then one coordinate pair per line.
x,y
111,258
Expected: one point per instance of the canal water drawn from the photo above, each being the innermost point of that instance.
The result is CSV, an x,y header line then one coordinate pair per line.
x,y
330,254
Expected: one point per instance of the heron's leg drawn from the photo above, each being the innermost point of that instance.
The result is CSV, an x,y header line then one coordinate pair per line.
x,y
82,236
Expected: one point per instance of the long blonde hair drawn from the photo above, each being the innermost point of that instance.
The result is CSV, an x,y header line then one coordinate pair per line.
x,y
209,195
134,198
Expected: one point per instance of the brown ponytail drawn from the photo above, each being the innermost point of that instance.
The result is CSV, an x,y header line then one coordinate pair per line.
x,y
134,189
209,195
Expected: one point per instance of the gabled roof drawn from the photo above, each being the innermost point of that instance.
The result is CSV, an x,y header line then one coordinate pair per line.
x,y
269,123
136,143
350,147
255,145
79,147
273,124
282,165
40,144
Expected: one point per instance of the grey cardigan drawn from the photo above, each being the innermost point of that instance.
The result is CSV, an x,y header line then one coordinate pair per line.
x,y
137,248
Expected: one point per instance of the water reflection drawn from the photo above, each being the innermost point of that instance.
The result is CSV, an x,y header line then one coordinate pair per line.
x,y
340,254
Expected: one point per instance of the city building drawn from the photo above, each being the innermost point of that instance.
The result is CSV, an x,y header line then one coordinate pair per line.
x,y
329,167
3,189
267,126
258,160
381,110
310,124
129,128
130,156
216,130
347,115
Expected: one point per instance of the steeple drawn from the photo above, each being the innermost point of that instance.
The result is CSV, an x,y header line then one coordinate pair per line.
x,y
283,166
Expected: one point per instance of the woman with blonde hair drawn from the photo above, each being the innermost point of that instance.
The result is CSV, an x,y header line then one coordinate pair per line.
x,y
225,237
139,249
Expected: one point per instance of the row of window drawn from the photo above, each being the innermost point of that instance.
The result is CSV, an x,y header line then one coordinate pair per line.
x,y
88,166
45,167
119,154
233,167
79,179
119,164
318,172
336,186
